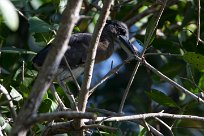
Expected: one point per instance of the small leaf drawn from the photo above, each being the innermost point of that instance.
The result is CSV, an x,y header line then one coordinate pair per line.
x,y
37,25
45,105
171,69
15,94
195,60
7,126
161,98
9,14
150,31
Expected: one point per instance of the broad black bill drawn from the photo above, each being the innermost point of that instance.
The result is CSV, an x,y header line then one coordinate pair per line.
x,y
128,47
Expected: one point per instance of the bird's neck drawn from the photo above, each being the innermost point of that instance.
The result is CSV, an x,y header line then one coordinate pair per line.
x,y
105,47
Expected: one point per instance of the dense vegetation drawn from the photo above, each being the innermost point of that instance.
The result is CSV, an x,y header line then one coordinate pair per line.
x,y
171,32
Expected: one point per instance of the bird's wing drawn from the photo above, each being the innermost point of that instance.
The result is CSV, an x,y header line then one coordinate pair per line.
x,y
75,55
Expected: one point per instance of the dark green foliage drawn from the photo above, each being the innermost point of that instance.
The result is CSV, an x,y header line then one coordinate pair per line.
x,y
176,34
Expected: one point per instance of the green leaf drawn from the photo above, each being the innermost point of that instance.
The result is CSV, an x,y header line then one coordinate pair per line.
x,y
45,105
37,25
142,132
150,31
171,69
9,14
194,59
7,126
15,94
161,98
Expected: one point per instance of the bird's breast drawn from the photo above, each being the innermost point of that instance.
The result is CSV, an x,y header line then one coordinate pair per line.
x,y
64,74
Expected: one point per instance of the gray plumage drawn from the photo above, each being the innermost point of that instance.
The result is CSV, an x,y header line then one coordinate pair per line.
x,y
78,47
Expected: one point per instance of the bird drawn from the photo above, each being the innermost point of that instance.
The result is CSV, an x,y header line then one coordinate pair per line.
x,y
78,48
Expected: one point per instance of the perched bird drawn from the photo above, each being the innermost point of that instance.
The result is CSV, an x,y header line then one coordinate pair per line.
x,y
78,47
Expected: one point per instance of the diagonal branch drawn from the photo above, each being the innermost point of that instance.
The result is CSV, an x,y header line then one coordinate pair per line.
x,y
146,44
83,95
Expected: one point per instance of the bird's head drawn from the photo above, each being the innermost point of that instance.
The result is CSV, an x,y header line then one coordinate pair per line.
x,y
117,28
119,31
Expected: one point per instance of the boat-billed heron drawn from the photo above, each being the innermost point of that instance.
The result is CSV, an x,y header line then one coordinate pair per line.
x,y
78,48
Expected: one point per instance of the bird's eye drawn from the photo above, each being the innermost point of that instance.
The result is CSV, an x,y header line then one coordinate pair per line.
x,y
122,31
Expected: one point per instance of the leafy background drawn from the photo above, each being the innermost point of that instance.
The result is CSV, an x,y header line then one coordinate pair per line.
x,y
176,34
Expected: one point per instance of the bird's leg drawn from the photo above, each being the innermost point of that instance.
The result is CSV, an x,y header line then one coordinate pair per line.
x,y
59,101
69,95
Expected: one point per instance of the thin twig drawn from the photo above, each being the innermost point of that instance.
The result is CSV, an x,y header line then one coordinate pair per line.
x,y
150,115
108,128
69,95
147,126
109,74
59,101
11,105
198,23
128,87
139,16
73,77
23,70
110,113
165,54
139,62
179,87
61,114
166,125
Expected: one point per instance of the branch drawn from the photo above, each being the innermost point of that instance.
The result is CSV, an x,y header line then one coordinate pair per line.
x,y
179,87
150,115
56,96
109,74
70,71
61,114
83,94
49,68
110,113
11,106
146,44
166,125
139,16
198,31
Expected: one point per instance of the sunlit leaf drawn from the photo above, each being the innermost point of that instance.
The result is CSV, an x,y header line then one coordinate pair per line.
x,y
7,126
15,94
9,14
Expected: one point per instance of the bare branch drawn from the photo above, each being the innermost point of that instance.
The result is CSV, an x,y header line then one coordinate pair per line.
x,y
165,54
11,106
179,87
139,62
70,71
150,115
69,95
198,23
83,95
166,125
61,114
139,16
59,101
109,74
111,129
